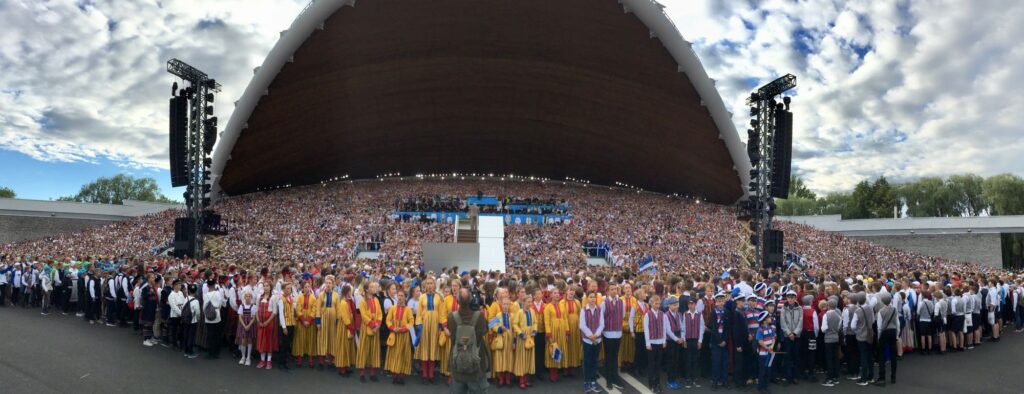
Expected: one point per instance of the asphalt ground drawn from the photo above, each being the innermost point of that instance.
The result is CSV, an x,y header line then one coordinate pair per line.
x,y
60,354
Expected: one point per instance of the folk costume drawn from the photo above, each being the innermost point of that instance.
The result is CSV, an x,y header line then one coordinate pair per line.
x,y
525,331
399,342
431,319
574,352
328,312
556,325
305,330
503,345
368,349
345,344
266,336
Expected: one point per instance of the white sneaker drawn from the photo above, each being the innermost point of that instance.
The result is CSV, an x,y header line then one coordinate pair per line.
x,y
248,362
147,343
241,361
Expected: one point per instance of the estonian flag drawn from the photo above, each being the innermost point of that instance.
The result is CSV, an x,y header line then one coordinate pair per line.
x,y
647,264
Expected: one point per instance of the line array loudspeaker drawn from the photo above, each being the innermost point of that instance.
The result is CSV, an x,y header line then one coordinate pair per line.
x,y
783,152
179,141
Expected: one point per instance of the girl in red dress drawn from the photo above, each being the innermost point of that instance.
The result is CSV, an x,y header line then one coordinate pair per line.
x,y
266,334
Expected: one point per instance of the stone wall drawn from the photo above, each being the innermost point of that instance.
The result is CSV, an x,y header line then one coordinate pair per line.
x,y
984,249
16,228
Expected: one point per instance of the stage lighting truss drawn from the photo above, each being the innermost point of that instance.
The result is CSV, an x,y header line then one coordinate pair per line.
x,y
202,134
760,148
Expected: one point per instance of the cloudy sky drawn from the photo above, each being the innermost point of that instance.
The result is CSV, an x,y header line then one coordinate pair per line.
x,y
905,88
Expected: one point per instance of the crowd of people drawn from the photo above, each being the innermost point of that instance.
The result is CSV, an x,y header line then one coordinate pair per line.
x,y
290,287
501,204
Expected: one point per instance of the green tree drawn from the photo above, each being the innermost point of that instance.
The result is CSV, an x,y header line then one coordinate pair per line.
x,y
6,192
796,207
1005,193
884,202
833,203
859,204
929,197
116,189
797,189
969,194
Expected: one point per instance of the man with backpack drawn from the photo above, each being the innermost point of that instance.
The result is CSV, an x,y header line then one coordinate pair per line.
x,y
213,300
189,320
469,361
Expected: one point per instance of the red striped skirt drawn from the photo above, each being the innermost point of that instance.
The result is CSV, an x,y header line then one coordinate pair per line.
x,y
266,338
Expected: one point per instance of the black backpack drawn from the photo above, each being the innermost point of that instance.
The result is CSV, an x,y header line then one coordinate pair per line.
x,y
209,311
186,312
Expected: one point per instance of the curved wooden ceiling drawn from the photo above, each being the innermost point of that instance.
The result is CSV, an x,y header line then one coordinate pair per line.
x,y
556,89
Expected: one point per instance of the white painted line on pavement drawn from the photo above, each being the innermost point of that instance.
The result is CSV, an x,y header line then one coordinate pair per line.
x,y
630,380
607,388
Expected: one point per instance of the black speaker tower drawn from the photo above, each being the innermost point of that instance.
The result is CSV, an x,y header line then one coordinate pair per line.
x,y
193,131
769,146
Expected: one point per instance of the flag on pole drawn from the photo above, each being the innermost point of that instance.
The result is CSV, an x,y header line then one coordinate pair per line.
x,y
556,353
647,265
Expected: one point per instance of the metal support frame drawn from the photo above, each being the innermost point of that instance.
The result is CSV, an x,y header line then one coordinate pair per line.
x,y
764,124
201,83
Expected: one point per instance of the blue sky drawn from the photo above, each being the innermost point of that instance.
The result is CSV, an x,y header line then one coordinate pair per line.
x,y
42,180
901,88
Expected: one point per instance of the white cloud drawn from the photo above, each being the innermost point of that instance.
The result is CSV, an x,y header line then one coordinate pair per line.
x,y
82,80
905,88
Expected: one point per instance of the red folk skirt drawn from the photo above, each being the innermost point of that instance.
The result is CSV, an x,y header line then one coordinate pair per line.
x,y
266,338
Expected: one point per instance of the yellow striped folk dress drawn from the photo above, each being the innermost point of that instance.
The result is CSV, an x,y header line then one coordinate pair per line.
x,y
556,325
574,353
329,310
432,315
304,343
504,358
399,358
526,324
345,344
451,304
627,348
368,352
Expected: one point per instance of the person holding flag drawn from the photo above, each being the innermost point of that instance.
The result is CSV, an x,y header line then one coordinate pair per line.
x,y
503,342
556,326
526,334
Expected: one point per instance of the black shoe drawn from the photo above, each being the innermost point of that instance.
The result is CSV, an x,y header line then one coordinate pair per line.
x,y
893,380
879,383
362,378
373,378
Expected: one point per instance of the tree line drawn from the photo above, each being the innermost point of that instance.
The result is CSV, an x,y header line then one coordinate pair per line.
x,y
954,196
111,190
